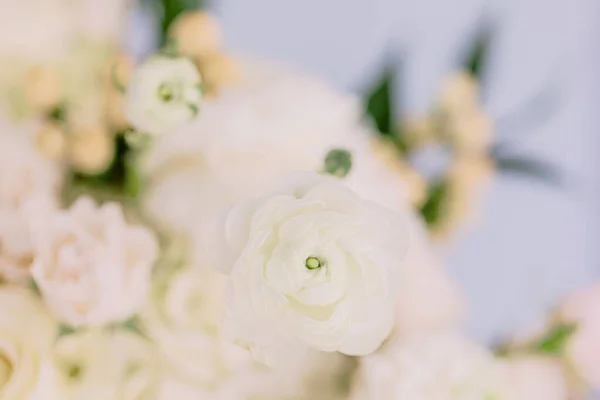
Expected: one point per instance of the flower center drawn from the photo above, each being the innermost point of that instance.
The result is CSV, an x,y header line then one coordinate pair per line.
x,y
313,262
167,92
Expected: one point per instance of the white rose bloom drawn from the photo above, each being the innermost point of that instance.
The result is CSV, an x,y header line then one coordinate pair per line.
x,y
101,20
163,94
90,265
288,121
443,366
29,186
310,264
27,333
183,318
105,364
35,30
531,377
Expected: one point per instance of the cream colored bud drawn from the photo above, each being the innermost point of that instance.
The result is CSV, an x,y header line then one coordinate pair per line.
x,y
412,179
467,180
115,110
418,132
416,185
218,70
51,141
91,150
472,132
119,72
459,93
196,33
42,88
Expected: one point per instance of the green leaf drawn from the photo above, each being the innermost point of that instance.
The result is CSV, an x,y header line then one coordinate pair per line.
x,y
171,9
133,324
65,330
539,170
476,57
553,343
338,162
432,210
379,104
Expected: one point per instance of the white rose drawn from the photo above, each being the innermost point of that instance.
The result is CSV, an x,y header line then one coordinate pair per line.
x,y
35,30
163,94
105,364
29,187
27,333
101,20
183,317
90,265
310,264
443,366
534,378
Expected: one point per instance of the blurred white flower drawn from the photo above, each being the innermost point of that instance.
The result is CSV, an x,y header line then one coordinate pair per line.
x,y
534,378
90,266
582,350
310,264
183,317
164,93
35,30
106,364
29,187
443,366
101,20
27,333
284,121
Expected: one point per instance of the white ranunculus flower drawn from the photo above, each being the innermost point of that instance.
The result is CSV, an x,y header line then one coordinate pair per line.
x,y
27,333
163,94
106,364
288,121
29,186
90,265
310,264
443,366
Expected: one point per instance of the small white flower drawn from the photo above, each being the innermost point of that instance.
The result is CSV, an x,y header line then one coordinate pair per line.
x,y
91,267
310,264
105,364
27,333
29,186
443,366
164,93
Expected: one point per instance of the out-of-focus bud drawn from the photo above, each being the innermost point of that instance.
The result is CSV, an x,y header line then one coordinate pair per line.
x,y
90,150
42,88
164,93
51,141
218,70
418,132
415,182
195,33
471,133
460,93
120,70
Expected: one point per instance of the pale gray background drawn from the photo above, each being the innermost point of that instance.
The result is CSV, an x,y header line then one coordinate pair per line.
x,y
534,243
